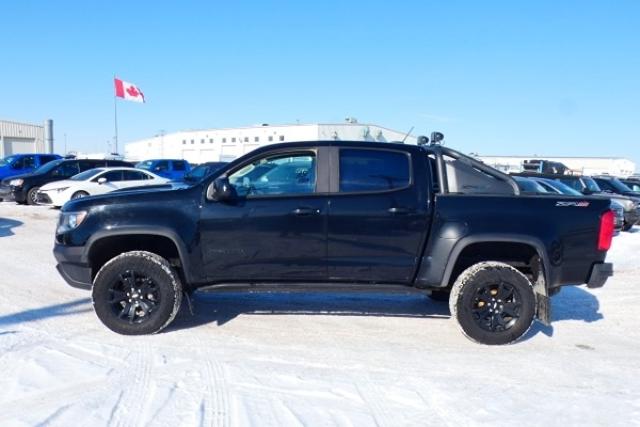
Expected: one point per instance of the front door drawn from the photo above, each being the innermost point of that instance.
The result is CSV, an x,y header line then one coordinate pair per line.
x,y
378,217
276,229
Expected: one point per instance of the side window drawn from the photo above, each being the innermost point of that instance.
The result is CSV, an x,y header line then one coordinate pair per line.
x,y
18,164
161,166
573,183
46,159
29,161
85,165
135,176
364,170
605,185
112,176
277,174
67,169
179,166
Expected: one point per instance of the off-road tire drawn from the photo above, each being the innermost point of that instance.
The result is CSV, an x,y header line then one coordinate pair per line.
x,y
114,275
470,290
32,196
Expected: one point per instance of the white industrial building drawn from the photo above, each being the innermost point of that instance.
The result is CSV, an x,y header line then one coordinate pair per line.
x,y
617,166
198,146
18,138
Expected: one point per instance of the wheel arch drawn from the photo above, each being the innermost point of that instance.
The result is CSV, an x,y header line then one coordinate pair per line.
x,y
469,243
103,246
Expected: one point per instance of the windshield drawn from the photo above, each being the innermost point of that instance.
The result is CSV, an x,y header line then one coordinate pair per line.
x,y
197,173
145,165
48,166
7,160
591,184
86,175
619,185
563,188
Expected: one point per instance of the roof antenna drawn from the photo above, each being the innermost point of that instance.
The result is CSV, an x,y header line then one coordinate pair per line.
x,y
407,135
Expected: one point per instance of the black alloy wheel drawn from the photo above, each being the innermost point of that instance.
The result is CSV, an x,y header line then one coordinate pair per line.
x,y
134,296
496,307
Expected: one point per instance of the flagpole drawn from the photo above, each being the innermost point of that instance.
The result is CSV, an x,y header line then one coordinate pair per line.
x,y
115,114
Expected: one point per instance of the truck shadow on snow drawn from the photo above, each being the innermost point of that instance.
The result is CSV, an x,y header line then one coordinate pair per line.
x,y
573,303
78,306
222,307
7,225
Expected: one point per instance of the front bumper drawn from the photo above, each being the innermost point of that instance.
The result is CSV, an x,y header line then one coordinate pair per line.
x,y
5,193
631,217
71,267
600,272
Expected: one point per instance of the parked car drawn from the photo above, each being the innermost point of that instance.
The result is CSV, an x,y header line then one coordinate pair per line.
x,y
611,184
527,185
19,164
426,218
202,171
95,181
633,184
557,187
586,185
173,169
24,188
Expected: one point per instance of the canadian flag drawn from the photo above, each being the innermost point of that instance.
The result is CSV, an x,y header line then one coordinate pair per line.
x,y
128,91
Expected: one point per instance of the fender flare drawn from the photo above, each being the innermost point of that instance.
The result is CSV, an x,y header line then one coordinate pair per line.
x,y
149,231
463,243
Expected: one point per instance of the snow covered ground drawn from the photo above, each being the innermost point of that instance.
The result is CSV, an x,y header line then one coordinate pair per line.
x,y
275,359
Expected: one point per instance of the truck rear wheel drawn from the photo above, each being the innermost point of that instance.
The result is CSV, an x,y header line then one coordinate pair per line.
x,y
493,303
137,293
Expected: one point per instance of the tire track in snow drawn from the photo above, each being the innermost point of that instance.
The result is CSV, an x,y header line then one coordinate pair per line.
x,y
132,403
53,398
217,402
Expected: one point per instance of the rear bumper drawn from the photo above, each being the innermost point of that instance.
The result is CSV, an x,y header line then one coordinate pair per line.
x,y
70,266
599,274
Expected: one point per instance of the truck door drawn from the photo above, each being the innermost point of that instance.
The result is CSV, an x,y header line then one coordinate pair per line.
x,y
378,215
276,230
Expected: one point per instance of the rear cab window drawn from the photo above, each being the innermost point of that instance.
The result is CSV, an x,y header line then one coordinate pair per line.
x,y
369,170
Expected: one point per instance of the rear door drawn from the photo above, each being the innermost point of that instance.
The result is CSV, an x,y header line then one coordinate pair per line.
x,y
378,215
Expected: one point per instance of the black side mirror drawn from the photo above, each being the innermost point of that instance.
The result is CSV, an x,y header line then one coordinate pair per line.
x,y
222,191
587,192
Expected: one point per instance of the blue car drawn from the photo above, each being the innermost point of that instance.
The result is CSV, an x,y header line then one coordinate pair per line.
x,y
173,169
20,164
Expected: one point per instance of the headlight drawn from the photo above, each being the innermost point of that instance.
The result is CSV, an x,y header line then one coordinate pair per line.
x,y
70,220
16,182
60,190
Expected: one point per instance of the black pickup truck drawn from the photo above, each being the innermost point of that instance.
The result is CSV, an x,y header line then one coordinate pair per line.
x,y
348,214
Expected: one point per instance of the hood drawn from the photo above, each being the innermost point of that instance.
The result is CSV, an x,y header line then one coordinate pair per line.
x,y
22,176
169,195
58,184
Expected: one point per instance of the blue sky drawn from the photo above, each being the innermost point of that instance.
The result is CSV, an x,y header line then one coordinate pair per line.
x,y
497,77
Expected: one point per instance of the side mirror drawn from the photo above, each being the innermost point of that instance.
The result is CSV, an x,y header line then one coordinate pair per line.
x,y
222,191
587,192
102,180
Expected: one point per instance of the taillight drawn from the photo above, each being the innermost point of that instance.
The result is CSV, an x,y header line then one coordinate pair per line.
x,y
607,228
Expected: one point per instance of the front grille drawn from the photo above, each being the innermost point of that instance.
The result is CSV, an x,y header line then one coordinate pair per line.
x,y
44,198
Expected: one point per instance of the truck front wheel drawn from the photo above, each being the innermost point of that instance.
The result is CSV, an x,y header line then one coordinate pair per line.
x,y
493,303
137,293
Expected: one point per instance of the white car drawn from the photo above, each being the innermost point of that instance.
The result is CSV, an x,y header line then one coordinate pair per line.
x,y
95,181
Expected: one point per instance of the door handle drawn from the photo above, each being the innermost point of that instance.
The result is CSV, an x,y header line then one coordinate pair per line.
x,y
398,211
306,211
